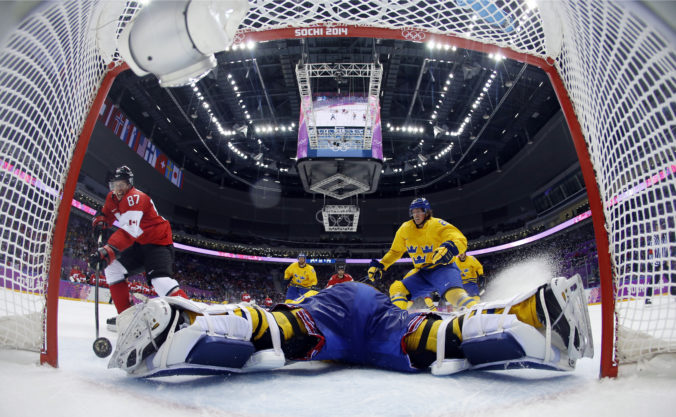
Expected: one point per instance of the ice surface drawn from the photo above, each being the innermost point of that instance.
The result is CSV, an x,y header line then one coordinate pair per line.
x,y
83,386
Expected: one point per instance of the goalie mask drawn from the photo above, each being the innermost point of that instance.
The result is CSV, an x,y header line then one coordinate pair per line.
x,y
145,333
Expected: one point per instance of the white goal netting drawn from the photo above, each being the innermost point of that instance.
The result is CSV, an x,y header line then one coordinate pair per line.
x,y
617,64
50,71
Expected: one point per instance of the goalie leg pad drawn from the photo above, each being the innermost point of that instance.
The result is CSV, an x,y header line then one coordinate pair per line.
x,y
212,342
562,308
220,352
500,341
145,332
450,358
158,340
123,319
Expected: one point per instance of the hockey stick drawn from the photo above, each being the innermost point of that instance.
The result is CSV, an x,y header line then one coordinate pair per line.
x,y
102,346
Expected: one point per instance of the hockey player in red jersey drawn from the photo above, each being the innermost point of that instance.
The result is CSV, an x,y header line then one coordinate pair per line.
x,y
76,275
142,243
246,298
339,276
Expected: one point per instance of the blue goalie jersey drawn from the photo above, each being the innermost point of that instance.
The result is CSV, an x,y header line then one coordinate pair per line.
x,y
358,324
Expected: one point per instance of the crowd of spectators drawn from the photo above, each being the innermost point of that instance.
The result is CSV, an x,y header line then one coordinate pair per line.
x,y
225,279
572,251
346,245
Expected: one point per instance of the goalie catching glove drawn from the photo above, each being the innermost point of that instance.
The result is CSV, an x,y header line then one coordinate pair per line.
x,y
102,257
444,253
375,271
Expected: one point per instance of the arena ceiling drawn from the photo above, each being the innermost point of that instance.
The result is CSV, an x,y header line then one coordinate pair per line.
x,y
427,93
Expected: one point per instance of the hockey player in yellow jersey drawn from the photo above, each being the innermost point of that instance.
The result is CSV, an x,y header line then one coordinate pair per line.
x,y
471,270
431,243
300,278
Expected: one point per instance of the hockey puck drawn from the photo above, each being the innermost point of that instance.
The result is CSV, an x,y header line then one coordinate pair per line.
x,y
102,347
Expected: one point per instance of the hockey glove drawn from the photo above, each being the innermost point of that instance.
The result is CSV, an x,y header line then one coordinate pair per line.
x,y
375,271
99,222
102,257
444,253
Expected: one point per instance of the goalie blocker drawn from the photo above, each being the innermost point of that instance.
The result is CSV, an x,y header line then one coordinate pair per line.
x,y
547,327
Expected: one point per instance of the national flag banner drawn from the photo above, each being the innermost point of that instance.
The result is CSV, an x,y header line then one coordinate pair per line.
x,y
115,120
105,109
161,164
142,143
177,177
118,121
125,131
132,136
170,169
109,116
137,141
105,105
151,154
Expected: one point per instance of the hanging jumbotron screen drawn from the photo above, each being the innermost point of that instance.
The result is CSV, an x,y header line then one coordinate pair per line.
x,y
341,122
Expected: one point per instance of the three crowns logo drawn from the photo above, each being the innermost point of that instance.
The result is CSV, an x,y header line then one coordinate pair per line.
x,y
419,259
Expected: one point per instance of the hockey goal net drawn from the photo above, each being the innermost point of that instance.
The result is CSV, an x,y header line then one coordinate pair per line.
x,y
611,64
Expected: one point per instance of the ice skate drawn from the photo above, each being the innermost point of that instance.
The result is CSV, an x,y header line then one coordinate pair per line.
x,y
111,324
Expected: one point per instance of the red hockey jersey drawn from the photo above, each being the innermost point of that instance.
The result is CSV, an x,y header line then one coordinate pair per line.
x,y
335,279
138,220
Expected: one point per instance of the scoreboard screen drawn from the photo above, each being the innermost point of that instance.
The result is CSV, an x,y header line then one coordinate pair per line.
x,y
341,122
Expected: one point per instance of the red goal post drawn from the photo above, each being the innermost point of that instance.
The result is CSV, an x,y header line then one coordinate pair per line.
x,y
610,65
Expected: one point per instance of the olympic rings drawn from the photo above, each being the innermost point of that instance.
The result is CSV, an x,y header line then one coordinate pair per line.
x,y
413,35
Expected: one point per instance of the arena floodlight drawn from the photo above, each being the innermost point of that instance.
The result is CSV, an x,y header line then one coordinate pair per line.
x,y
176,40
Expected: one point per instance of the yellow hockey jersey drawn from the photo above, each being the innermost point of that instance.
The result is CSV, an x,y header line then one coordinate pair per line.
x,y
470,268
304,277
420,243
